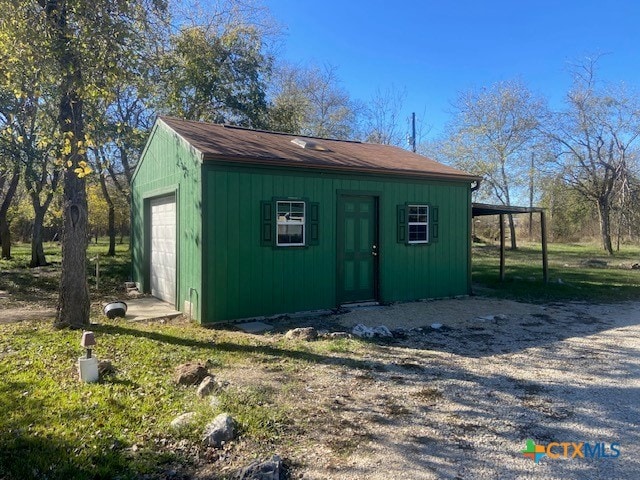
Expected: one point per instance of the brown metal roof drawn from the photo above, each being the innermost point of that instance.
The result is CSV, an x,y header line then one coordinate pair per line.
x,y
223,142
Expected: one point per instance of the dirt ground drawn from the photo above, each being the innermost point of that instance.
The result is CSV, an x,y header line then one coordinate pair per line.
x,y
461,401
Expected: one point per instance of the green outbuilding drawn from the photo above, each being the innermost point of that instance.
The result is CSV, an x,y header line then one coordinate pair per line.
x,y
230,223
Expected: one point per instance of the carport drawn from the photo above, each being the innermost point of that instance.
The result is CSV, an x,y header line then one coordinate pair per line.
x,y
483,209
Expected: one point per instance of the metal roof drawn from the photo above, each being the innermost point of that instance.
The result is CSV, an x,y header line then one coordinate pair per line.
x,y
242,145
480,209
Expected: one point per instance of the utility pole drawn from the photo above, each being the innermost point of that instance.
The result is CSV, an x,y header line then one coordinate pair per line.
x,y
531,186
413,132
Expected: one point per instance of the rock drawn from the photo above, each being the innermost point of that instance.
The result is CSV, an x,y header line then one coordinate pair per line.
x,y
214,402
183,420
305,333
635,266
190,373
105,367
269,470
207,386
363,331
501,317
436,326
219,431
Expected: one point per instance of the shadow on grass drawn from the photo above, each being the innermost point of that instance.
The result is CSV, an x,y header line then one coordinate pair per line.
x,y
26,452
24,456
266,350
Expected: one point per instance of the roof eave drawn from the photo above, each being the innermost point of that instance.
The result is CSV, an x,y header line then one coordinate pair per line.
x,y
280,162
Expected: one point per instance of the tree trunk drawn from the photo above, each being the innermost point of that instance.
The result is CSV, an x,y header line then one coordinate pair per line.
x,y
38,258
512,231
605,225
73,300
5,232
5,237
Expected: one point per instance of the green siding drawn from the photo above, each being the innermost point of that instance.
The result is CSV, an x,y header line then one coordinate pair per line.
x,y
169,165
243,278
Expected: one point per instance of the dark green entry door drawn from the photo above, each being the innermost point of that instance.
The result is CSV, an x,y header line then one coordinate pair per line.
x,y
357,248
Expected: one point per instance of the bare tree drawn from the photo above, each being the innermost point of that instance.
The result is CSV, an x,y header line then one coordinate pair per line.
x,y
595,135
382,117
310,101
492,134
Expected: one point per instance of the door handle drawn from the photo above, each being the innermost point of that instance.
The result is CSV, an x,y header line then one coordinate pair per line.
x,y
375,250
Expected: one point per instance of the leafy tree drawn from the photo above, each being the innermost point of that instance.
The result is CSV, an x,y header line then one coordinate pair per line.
x,y
80,47
492,134
218,76
595,135
570,217
28,141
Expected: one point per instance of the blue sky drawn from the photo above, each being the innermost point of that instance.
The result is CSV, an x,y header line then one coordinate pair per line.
x,y
435,49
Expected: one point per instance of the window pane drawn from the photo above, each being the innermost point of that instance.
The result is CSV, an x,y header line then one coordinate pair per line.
x,y
417,233
418,213
290,223
290,234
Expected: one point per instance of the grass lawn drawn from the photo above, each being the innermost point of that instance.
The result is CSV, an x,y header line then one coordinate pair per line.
x,y
39,286
52,426
578,272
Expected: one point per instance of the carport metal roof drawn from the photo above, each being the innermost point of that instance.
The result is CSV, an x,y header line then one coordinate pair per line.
x,y
481,209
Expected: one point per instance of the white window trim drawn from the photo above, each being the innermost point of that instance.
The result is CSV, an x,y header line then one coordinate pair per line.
x,y
288,222
418,223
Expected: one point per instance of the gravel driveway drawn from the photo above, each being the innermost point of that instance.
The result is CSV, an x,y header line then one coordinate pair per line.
x,y
462,400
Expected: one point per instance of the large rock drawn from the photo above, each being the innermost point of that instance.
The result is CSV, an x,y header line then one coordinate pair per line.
x,y
269,470
190,373
207,386
220,430
183,420
363,331
304,333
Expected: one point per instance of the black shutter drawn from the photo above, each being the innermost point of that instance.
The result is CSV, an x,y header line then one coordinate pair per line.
x,y
433,224
402,223
267,227
313,234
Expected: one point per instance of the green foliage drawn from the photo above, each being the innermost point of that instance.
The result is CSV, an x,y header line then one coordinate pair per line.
x,y
571,219
211,76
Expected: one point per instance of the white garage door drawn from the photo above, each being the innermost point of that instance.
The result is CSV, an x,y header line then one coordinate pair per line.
x,y
163,248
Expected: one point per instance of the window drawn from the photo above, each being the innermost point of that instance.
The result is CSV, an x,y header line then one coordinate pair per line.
x,y
291,223
418,223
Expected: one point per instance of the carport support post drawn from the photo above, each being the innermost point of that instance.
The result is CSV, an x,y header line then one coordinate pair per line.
x,y
545,259
501,247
